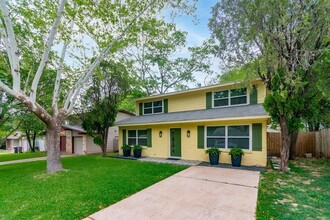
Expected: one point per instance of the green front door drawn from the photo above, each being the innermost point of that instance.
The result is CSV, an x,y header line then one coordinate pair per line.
x,y
175,142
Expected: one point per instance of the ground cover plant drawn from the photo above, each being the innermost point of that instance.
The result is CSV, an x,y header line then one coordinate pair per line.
x,y
304,193
11,156
88,184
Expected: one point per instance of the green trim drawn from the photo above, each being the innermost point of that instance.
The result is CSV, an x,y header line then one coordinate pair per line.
x,y
149,137
165,105
140,108
257,137
200,137
254,95
124,137
208,100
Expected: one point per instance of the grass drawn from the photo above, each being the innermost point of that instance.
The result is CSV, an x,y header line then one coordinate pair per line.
x,y
12,156
88,184
304,193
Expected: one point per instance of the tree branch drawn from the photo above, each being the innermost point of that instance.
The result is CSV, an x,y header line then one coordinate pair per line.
x,y
45,55
11,47
71,98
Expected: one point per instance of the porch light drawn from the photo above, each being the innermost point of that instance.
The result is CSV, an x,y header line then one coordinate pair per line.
x,y
188,133
160,134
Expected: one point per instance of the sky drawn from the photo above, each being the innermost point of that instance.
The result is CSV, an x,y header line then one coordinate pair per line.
x,y
197,33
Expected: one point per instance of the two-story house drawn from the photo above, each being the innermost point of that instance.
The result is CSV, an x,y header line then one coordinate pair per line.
x,y
183,124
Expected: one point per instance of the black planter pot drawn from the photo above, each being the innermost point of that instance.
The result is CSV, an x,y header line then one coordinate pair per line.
x,y
137,153
127,153
236,162
214,159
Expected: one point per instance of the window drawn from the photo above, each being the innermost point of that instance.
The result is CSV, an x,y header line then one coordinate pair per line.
x,y
152,107
228,136
230,97
137,137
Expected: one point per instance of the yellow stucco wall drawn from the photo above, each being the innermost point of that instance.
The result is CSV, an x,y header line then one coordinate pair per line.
x,y
195,100
189,150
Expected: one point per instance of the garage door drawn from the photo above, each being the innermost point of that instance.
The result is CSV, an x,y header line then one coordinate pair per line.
x,y
78,145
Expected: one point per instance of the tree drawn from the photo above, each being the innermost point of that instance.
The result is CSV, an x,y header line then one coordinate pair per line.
x,y
100,104
157,65
109,24
32,127
284,40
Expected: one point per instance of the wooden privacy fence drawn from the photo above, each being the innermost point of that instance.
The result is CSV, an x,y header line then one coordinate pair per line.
x,y
317,143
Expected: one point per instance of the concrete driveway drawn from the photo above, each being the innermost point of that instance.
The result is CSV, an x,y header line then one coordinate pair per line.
x,y
195,193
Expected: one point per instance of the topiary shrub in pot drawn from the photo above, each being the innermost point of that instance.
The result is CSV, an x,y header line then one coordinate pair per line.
x,y
236,154
214,154
137,150
126,150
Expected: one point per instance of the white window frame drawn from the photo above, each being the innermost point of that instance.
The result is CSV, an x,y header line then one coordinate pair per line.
x,y
227,137
136,137
152,107
229,98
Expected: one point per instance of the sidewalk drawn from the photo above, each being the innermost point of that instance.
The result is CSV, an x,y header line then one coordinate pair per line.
x,y
31,159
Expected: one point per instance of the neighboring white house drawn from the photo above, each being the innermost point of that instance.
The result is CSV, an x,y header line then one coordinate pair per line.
x,y
74,139
18,139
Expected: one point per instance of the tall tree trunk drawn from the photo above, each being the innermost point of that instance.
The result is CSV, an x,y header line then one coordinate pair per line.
x,y
286,140
27,133
53,147
34,141
105,143
294,137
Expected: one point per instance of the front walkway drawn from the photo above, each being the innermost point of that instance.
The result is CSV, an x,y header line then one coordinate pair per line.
x,y
196,193
32,159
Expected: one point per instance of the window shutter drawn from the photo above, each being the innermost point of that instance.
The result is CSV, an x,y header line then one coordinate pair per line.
x,y
200,137
140,108
254,95
165,105
208,100
149,137
124,137
257,137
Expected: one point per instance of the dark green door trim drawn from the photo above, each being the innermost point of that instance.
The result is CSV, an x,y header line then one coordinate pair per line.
x,y
175,142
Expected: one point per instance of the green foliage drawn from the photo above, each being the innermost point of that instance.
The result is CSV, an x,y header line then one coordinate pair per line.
x,y
100,103
137,147
126,147
128,102
156,65
235,152
213,151
32,127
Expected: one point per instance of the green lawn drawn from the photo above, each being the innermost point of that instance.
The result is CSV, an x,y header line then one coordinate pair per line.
x,y
88,184
12,156
304,193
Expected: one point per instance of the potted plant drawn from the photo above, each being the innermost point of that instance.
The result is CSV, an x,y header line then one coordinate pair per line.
x,y
137,150
236,156
214,154
126,150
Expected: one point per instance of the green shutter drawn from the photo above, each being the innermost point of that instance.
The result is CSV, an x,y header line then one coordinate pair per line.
x,y
208,100
124,137
140,108
165,105
257,137
149,137
254,95
200,137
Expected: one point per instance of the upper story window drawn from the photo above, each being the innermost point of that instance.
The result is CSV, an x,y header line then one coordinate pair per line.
x,y
230,97
152,107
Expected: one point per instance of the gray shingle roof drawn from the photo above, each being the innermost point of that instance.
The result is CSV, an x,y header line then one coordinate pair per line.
x,y
197,115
